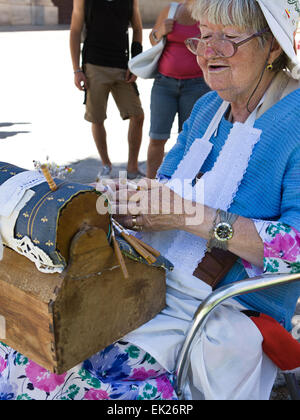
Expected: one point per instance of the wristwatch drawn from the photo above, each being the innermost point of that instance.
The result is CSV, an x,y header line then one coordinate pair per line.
x,y
222,230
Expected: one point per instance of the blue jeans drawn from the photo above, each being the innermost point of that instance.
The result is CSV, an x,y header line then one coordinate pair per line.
x,y
170,96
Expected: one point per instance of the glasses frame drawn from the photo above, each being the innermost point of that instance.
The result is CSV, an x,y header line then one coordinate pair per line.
x,y
235,45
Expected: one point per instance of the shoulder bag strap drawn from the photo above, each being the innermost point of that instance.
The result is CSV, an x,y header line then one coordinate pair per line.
x,y
173,9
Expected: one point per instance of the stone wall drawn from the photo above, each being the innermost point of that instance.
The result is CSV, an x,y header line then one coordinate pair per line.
x,y
64,10
47,12
150,9
28,12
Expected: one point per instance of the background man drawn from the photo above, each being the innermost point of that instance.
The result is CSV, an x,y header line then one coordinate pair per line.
x,y
104,70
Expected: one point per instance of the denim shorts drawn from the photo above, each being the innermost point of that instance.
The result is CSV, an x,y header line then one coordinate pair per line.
x,y
169,97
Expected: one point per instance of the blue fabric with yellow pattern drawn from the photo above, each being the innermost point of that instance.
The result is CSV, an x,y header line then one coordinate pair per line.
x,y
38,219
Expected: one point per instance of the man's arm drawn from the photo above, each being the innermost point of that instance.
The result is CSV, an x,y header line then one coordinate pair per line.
x,y
136,23
77,23
137,37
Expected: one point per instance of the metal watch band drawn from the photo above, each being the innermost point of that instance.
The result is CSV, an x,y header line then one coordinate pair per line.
x,y
222,230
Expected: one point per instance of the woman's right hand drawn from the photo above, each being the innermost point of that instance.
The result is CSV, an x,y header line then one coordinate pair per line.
x,y
165,28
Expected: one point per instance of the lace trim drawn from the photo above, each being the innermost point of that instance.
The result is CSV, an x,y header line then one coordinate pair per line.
x,y
221,185
42,261
190,165
24,246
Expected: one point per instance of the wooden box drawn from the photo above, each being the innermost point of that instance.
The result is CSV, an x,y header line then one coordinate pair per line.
x,y
59,320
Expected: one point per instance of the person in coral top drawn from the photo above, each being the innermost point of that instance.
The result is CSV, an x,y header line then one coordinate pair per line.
x,y
179,82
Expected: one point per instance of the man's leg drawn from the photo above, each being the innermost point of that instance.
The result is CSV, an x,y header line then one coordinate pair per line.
x,y
99,134
127,99
100,83
135,133
155,156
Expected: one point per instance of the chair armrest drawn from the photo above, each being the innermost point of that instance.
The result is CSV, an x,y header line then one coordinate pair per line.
x,y
213,301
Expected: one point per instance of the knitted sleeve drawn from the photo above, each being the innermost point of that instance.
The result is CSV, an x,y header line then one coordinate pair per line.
x,y
290,202
281,238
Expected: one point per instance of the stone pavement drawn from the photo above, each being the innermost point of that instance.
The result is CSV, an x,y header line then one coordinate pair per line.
x,y
41,112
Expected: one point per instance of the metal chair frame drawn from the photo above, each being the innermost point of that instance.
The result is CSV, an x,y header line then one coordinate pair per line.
x,y
212,302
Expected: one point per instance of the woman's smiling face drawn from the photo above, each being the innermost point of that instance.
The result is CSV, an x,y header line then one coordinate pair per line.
x,y
236,76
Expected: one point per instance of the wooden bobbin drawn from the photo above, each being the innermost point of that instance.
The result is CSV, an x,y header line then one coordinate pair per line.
x,y
49,179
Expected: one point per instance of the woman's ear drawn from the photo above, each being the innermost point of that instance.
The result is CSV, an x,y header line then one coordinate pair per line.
x,y
276,51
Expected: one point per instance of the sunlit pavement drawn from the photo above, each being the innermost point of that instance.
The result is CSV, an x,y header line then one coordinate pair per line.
x,y
41,111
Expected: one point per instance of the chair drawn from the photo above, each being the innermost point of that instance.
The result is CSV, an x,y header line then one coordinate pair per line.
x,y
209,304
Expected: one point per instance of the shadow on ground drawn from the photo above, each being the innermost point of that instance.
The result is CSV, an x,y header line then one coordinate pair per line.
x,y
6,134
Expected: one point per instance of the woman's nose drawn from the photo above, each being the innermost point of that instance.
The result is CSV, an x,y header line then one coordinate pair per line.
x,y
209,52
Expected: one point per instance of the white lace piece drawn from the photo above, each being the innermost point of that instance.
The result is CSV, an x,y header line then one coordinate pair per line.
x,y
24,246
35,254
13,190
189,167
7,223
186,250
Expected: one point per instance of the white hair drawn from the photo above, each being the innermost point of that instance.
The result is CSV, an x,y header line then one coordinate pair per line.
x,y
245,14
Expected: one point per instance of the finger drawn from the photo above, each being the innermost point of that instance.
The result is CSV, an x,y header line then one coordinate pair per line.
x,y
109,195
132,78
145,184
125,209
129,185
78,85
111,182
125,221
106,184
124,196
130,221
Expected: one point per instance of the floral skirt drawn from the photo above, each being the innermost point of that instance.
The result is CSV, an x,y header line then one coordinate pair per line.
x,y
119,372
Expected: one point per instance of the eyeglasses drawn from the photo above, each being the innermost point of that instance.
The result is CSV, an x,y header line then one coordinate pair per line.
x,y
222,47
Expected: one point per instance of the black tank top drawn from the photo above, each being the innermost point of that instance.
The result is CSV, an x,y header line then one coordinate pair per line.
x,y
107,23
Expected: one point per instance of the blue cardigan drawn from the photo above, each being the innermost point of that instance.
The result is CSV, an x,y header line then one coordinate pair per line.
x,y
270,189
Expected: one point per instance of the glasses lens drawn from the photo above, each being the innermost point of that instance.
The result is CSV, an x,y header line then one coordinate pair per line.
x,y
222,47
192,45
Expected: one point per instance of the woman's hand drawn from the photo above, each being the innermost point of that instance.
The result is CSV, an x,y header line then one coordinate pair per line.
x,y
150,206
153,208
165,28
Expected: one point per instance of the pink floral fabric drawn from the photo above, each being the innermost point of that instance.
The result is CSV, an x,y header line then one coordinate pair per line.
x,y
281,249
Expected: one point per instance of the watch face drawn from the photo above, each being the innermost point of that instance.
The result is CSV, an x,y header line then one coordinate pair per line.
x,y
223,231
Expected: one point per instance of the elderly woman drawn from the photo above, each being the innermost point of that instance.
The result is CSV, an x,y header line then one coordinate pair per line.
x,y
243,139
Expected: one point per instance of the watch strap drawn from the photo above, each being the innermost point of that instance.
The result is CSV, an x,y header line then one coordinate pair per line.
x,y
225,218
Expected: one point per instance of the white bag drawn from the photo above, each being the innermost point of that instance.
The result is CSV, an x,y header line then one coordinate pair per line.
x,y
144,65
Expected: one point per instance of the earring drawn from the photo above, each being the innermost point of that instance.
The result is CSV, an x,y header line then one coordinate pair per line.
x,y
270,67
